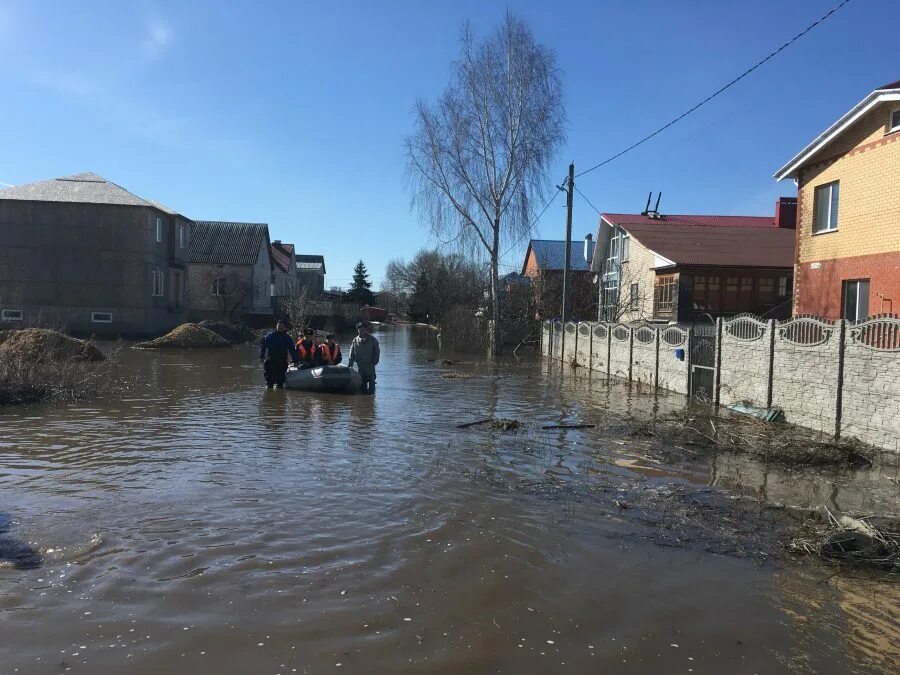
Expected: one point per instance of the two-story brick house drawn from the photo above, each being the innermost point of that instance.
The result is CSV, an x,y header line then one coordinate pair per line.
x,y
848,226
83,254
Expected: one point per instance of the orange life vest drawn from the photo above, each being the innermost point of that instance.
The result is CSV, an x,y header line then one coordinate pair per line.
x,y
329,354
306,351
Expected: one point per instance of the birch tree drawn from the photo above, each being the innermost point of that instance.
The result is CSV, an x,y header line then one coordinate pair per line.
x,y
478,156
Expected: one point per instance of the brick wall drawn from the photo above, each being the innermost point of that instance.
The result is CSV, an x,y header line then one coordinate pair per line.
x,y
823,286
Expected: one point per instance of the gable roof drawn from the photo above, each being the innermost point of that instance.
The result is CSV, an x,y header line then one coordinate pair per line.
x,y
221,243
281,256
82,188
720,246
310,263
550,255
623,219
887,92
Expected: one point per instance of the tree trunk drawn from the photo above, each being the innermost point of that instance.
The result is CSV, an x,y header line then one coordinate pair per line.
x,y
495,337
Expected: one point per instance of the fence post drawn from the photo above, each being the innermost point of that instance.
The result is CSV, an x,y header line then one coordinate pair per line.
x,y
656,364
839,397
608,348
630,351
771,363
690,360
562,344
718,380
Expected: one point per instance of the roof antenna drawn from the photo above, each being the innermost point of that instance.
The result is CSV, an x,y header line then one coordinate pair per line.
x,y
656,208
647,208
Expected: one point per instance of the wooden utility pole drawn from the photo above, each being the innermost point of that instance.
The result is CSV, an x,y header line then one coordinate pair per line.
x,y
565,285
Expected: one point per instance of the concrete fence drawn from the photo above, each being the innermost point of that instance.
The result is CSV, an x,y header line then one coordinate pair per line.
x,y
832,376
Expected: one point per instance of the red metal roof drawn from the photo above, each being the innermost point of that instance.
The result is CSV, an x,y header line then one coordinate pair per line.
x,y
704,221
720,246
281,255
892,85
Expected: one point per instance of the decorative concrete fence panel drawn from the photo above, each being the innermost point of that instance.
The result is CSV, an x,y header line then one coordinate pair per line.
x,y
600,348
744,353
805,368
570,338
672,368
870,398
643,354
556,347
583,346
620,351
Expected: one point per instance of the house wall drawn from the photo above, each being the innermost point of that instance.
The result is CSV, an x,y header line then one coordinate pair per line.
x,y
867,163
202,304
638,269
261,278
62,261
313,282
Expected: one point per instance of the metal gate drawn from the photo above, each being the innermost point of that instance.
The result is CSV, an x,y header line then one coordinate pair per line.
x,y
703,359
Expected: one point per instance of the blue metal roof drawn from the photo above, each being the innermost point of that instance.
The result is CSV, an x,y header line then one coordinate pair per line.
x,y
551,255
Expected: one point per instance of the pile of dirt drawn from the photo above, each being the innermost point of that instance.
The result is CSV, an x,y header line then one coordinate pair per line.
x,y
41,344
186,336
236,335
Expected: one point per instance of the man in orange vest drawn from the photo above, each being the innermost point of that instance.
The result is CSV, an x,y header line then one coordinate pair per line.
x,y
329,352
306,348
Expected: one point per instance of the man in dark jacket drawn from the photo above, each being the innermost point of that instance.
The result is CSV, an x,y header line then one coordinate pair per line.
x,y
273,352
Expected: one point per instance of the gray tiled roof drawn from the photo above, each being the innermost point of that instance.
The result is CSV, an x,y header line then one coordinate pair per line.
x,y
84,188
219,243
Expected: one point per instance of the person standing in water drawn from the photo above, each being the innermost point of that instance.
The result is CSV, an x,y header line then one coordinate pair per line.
x,y
366,353
274,350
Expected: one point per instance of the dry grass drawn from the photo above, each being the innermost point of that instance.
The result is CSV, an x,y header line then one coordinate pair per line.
x,y
859,542
186,336
41,344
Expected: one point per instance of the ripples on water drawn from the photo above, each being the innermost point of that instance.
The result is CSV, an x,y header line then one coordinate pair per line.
x,y
204,524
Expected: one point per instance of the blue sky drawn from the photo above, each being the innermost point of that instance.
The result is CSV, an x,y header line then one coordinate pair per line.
x,y
294,113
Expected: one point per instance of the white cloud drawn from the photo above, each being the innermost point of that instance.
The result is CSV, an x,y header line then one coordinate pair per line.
x,y
157,37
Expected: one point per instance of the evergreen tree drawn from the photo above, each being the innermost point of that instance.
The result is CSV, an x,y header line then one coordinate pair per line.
x,y
360,290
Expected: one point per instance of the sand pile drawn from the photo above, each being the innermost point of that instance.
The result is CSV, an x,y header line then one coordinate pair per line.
x,y
186,336
40,344
236,335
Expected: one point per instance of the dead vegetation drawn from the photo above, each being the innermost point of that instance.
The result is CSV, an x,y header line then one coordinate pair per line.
x,y
186,336
859,542
771,442
37,364
500,424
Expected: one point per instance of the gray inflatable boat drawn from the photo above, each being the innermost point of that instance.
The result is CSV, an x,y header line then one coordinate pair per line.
x,y
323,378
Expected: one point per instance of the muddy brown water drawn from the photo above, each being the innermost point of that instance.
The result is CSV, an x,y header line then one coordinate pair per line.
x,y
203,524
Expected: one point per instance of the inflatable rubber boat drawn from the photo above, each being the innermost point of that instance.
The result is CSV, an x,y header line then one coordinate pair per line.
x,y
323,378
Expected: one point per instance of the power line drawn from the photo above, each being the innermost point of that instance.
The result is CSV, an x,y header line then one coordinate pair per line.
x,y
587,200
531,226
719,91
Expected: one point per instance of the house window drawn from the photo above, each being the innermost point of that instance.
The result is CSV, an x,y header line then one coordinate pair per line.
x,y
158,282
895,121
218,286
101,317
626,246
856,299
766,287
826,208
665,295
182,236
159,229
782,287
635,298
12,315
609,300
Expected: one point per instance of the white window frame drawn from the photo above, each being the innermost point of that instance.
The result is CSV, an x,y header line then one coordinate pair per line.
x,y
845,283
159,283
891,126
95,317
217,287
831,216
625,246
158,229
12,315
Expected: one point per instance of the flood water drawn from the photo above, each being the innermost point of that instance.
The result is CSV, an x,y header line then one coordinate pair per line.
x,y
203,524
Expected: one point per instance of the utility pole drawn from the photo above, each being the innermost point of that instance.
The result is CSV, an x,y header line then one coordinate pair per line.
x,y
565,285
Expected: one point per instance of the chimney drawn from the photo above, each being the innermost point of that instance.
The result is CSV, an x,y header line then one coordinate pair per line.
x,y
786,213
588,247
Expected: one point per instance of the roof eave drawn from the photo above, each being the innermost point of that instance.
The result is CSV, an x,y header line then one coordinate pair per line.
x,y
790,170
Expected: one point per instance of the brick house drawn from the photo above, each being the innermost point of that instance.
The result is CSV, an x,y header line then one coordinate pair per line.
x,y
674,268
543,267
848,193
85,255
230,272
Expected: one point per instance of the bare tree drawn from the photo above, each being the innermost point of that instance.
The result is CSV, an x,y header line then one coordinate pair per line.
x,y
478,157
296,307
230,289
630,300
